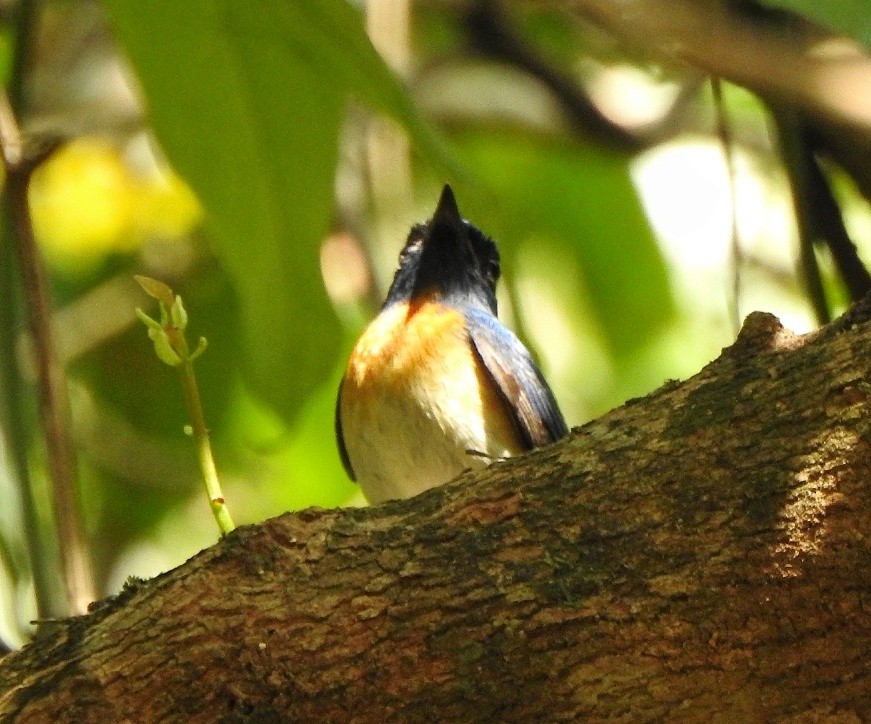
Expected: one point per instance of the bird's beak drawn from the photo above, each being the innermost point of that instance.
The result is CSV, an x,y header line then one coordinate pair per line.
x,y
446,212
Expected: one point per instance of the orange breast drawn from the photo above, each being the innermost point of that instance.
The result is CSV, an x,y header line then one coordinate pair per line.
x,y
416,399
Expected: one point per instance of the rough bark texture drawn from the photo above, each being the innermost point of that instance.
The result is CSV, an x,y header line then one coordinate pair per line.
x,y
701,553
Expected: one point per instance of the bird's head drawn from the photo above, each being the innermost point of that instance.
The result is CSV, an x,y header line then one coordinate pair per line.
x,y
447,257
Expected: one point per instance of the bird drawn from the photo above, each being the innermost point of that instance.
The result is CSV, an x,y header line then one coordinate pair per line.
x,y
436,384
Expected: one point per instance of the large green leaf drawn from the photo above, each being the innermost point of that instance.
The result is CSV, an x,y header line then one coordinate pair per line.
x,y
851,17
327,35
247,100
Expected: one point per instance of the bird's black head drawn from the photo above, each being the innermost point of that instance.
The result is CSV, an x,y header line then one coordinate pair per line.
x,y
449,256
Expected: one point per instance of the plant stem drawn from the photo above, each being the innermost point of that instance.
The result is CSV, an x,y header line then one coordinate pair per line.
x,y
724,133
798,159
204,448
13,419
25,17
171,347
54,407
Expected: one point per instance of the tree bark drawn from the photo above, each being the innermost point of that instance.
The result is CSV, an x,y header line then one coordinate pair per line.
x,y
704,552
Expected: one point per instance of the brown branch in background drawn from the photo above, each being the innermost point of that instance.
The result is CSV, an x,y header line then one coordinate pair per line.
x,y
492,34
19,167
388,151
819,215
21,18
772,54
829,225
759,56
798,159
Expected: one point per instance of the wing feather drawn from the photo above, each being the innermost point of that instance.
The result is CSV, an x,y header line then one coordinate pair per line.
x,y
340,438
518,379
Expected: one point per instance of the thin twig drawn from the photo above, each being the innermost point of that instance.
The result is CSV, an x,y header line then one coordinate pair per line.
x,y
42,559
52,383
724,132
797,159
25,16
818,212
829,226
13,417
492,34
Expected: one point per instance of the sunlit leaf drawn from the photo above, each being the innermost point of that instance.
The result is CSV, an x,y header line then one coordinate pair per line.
x,y
81,201
246,99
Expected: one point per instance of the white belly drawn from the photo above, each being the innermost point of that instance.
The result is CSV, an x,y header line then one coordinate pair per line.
x,y
422,414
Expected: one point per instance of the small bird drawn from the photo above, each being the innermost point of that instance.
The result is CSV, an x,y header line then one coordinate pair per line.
x,y
436,384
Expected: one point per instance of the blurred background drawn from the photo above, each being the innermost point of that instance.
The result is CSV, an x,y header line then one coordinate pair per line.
x,y
266,162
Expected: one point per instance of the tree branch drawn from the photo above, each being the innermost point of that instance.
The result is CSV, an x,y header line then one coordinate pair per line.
x,y
817,213
702,551
824,77
491,33
19,164
785,64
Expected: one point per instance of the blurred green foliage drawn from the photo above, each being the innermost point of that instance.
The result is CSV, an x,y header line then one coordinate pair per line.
x,y
580,197
249,149
257,106
850,17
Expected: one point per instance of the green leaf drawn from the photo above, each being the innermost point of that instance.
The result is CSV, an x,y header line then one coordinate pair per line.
x,y
247,100
328,34
254,132
156,290
850,17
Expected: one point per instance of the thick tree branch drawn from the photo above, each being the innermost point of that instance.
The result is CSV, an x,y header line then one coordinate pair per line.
x,y
789,63
704,550
823,77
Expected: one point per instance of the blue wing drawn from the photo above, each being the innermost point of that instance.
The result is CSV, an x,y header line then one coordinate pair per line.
x,y
518,379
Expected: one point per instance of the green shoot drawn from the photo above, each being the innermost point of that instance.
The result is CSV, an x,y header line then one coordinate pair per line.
x,y
170,344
